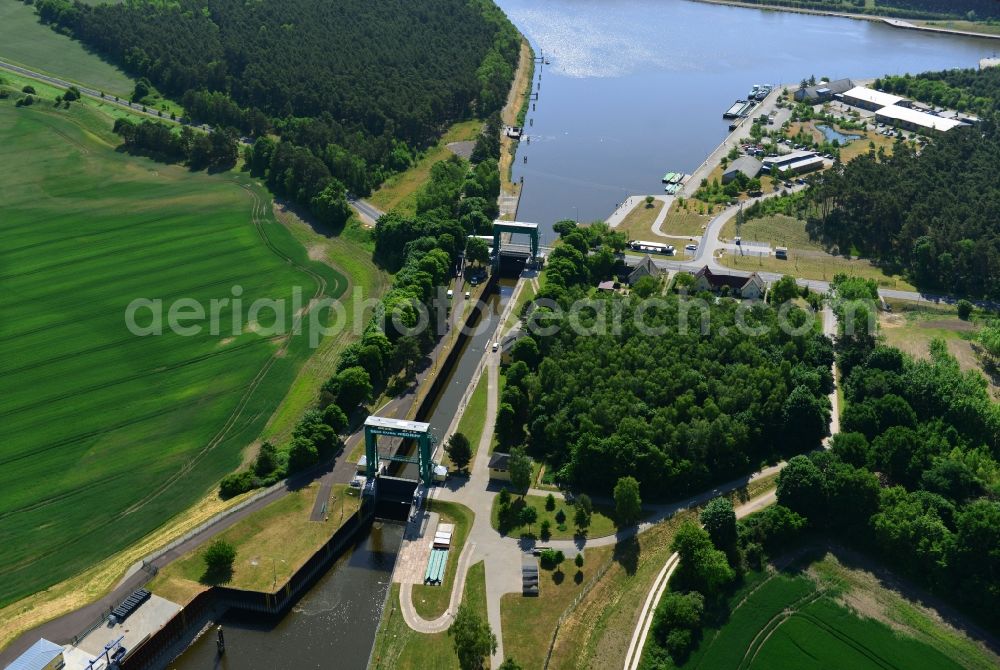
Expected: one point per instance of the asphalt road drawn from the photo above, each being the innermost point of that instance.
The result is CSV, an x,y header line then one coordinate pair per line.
x,y
710,244
89,92
366,209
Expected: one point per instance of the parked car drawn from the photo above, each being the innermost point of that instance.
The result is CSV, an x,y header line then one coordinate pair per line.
x,y
691,247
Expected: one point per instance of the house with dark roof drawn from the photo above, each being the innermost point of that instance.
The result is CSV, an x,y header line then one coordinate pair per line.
x,y
748,288
500,466
645,268
823,91
507,345
747,165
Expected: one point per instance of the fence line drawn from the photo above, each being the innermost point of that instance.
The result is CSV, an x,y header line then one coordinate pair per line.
x,y
603,570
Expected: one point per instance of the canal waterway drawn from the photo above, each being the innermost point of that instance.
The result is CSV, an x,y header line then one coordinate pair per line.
x,y
634,88
637,88
334,624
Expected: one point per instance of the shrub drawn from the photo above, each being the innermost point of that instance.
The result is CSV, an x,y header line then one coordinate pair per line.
x,y
219,559
236,483
964,309
550,558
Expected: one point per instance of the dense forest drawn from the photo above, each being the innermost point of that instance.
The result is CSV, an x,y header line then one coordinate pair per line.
x,y
965,90
972,10
915,474
676,408
913,478
361,85
934,214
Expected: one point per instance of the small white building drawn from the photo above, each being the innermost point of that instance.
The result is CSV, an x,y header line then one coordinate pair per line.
x,y
43,655
500,466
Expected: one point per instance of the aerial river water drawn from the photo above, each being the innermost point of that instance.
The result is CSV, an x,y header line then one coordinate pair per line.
x,y
637,88
634,88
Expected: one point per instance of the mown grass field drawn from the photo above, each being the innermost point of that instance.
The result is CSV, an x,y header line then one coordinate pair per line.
x,y
26,42
271,544
528,623
399,647
108,434
601,520
806,257
638,224
473,420
824,614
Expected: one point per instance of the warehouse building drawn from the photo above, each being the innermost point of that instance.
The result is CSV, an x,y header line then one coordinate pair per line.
x,y
802,166
823,91
748,165
915,120
872,100
784,161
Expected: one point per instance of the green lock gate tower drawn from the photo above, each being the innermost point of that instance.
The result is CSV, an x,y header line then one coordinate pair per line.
x,y
408,430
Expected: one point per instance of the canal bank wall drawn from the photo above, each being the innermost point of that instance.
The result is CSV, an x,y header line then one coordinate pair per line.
x,y
876,18
426,406
170,640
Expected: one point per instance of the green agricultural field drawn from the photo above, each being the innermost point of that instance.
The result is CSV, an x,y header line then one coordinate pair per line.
x,y
823,614
24,41
107,434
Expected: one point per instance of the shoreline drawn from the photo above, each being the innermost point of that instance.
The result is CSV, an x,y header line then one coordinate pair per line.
x,y
886,20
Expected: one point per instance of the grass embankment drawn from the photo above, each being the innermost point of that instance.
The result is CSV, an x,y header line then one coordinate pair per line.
x,y
824,614
528,622
271,545
501,385
432,601
399,647
117,430
349,252
597,632
399,192
601,521
514,112
807,258
963,26
473,420
526,295
638,224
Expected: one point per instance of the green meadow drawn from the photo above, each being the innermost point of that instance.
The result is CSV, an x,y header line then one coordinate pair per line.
x,y
24,41
823,614
108,434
